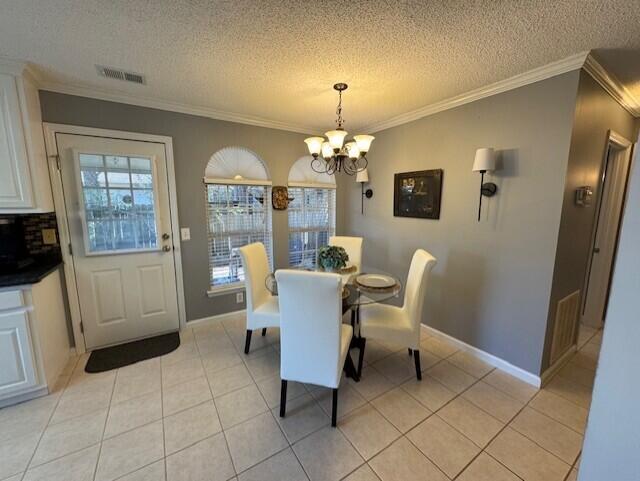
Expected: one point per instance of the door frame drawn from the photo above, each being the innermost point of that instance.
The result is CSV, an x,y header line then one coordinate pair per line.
x,y
622,144
53,159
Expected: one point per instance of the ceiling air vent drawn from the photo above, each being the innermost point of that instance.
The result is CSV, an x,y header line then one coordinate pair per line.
x,y
119,74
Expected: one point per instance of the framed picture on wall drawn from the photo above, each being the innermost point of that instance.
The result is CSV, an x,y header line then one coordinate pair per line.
x,y
417,194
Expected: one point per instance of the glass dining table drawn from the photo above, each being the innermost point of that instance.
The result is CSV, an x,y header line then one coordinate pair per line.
x,y
354,295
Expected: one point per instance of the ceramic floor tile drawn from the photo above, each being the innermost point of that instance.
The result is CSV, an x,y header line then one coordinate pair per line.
x,y
133,413
470,364
471,421
348,399
130,451
284,466
74,403
220,359
186,350
374,352
153,472
16,453
185,395
26,418
207,460
485,468
129,387
495,402
576,393
270,389
510,385
368,431
451,376
561,410
303,416
248,449
229,379
69,436
363,473
326,455
181,372
214,343
240,405
402,461
583,360
429,392
525,458
150,367
439,347
209,329
372,384
443,445
401,409
190,426
78,466
549,434
573,475
578,374
397,368
264,367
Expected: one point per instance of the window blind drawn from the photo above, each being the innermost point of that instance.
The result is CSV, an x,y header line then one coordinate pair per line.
x,y
312,214
237,215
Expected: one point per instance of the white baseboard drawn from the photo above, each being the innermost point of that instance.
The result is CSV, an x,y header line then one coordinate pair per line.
x,y
495,361
217,318
559,364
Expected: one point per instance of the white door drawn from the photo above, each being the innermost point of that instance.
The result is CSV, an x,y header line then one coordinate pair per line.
x,y
606,235
117,200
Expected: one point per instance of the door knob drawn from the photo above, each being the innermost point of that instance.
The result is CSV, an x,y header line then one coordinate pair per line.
x,y
165,236
166,248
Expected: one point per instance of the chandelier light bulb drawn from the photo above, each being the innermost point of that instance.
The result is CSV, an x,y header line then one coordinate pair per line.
x,y
364,142
352,150
336,139
314,144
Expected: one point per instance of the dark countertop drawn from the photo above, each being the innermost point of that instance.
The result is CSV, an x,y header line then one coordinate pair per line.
x,y
32,274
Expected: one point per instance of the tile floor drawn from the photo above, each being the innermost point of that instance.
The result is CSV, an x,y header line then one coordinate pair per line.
x,y
208,412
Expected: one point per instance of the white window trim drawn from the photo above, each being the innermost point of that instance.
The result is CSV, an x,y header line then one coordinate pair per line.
x,y
225,289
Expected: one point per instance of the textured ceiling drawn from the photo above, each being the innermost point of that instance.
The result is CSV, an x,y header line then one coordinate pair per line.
x,y
278,59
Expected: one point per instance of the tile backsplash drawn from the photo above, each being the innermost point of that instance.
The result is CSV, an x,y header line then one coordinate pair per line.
x,y
32,225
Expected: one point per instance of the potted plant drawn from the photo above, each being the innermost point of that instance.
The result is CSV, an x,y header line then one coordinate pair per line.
x,y
332,258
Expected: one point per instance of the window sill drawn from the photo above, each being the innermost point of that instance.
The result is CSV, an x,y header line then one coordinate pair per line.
x,y
222,290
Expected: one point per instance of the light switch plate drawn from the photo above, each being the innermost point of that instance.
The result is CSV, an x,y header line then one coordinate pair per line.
x,y
239,297
49,236
185,233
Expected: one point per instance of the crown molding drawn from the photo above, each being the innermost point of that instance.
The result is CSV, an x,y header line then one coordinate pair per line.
x,y
183,108
612,85
565,65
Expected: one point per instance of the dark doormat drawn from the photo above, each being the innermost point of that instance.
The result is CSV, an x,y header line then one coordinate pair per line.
x,y
124,354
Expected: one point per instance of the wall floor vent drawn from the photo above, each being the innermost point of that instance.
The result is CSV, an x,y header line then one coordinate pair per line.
x,y
119,74
565,325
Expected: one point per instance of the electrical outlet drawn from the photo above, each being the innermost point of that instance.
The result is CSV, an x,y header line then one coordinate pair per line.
x,y
185,234
239,297
49,236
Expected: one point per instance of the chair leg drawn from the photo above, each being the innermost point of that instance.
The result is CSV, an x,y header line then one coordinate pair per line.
x,y
363,343
264,331
350,369
410,351
283,398
247,341
334,409
416,357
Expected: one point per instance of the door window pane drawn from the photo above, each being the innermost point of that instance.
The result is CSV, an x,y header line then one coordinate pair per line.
x,y
119,206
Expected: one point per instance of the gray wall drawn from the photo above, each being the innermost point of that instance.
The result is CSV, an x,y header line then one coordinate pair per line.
x,y
195,139
596,113
491,285
612,441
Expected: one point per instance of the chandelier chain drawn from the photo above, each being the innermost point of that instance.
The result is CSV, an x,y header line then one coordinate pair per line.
x,y
340,120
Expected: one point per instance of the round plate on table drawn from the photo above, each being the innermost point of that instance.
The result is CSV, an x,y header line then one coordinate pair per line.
x,y
375,281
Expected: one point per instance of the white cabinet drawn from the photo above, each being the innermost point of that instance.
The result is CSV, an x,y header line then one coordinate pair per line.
x,y
24,174
18,371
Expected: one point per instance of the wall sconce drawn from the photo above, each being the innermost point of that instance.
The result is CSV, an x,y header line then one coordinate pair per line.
x,y
362,178
485,161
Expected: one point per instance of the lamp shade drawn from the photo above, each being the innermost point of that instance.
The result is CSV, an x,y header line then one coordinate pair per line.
x,y
327,151
364,142
352,150
336,138
485,160
314,144
362,176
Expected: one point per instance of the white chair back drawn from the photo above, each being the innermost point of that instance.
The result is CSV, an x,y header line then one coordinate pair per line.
x,y
256,269
353,246
421,265
310,326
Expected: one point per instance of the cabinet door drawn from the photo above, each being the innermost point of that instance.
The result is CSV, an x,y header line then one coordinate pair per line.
x,y
17,365
15,181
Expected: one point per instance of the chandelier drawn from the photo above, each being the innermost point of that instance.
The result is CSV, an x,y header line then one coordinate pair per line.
x,y
334,155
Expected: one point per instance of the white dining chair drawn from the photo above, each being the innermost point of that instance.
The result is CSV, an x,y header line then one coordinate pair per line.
x,y
262,306
400,325
314,344
353,246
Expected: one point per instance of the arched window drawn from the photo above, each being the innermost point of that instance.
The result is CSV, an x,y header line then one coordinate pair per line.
x,y
237,195
312,212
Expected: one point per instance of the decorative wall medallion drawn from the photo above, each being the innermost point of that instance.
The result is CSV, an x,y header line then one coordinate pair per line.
x,y
279,197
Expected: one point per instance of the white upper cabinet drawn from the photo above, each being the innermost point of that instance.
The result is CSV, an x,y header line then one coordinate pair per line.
x,y
24,175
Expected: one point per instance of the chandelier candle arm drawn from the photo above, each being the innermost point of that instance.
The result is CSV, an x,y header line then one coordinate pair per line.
x,y
338,156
